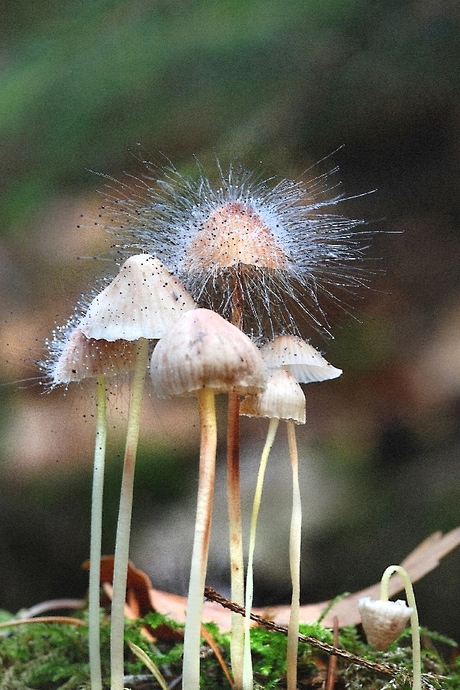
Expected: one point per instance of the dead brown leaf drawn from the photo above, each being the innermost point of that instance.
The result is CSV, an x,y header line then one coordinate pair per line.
x,y
142,597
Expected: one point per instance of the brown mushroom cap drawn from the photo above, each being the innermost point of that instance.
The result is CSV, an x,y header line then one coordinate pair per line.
x,y
84,358
202,350
299,357
142,301
283,398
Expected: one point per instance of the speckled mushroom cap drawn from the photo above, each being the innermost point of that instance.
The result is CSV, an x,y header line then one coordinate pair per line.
x,y
283,398
83,358
142,301
383,621
202,350
297,356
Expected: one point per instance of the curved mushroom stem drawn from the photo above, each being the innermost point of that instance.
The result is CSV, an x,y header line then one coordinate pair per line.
x,y
236,537
208,444
247,667
120,566
294,559
96,535
414,622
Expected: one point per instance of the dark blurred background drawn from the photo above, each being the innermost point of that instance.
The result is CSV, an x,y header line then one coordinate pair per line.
x,y
277,86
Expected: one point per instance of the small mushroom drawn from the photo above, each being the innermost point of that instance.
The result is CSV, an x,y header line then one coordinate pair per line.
x,y
79,359
291,361
142,301
383,620
202,354
84,357
300,358
284,399
202,350
140,304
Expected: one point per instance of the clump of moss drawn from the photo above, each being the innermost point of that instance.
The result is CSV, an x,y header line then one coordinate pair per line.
x,y
52,656
48,656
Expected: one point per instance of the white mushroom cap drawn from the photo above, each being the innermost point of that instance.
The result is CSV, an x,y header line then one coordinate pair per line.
x,y
84,358
142,301
383,621
202,350
297,356
283,398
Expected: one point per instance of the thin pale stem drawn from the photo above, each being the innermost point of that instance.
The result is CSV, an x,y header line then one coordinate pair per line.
x,y
120,566
96,535
414,622
208,428
234,508
247,664
294,560
236,537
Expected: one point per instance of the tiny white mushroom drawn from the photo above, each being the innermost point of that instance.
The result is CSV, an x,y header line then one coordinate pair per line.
x,y
203,350
284,399
300,358
291,361
383,621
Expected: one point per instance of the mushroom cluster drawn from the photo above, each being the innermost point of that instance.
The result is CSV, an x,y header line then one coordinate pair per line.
x,y
213,308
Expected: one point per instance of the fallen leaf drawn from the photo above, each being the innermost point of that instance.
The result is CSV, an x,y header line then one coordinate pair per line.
x,y
142,597
138,598
422,560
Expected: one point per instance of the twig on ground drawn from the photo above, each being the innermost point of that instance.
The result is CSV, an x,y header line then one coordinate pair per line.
x,y
386,669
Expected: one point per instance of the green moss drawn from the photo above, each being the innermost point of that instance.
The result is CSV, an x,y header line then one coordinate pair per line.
x,y
55,657
47,656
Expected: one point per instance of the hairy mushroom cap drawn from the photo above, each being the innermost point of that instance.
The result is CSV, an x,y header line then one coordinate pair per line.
x,y
283,398
297,356
383,621
202,350
142,301
234,234
83,358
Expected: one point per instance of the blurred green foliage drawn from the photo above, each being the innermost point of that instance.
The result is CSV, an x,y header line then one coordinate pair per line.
x,y
83,81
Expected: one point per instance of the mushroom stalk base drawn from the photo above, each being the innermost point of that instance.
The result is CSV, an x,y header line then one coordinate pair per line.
x,y
294,560
247,671
236,537
120,566
96,535
191,664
